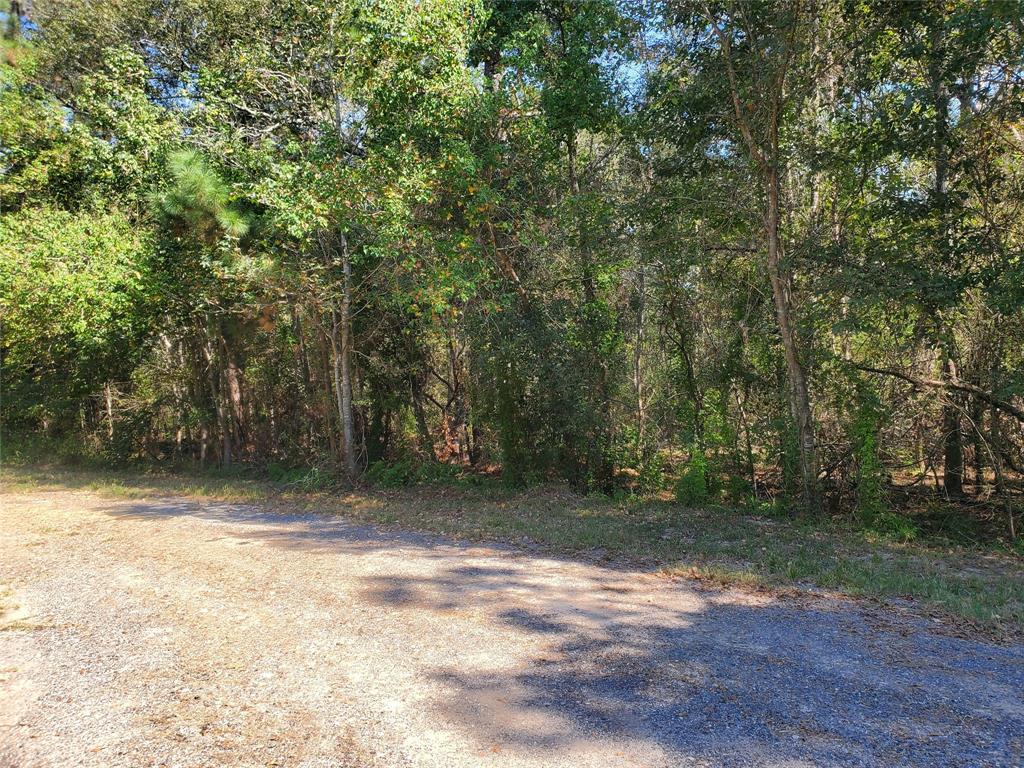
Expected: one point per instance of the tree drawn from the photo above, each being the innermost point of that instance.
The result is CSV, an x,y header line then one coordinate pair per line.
x,y
765,249
762,56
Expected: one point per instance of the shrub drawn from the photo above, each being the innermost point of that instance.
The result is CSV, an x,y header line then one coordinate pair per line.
x,y
404,472
393,474
652,475
872,505
871,501
315,479
738,490
943,521
693,487
436,473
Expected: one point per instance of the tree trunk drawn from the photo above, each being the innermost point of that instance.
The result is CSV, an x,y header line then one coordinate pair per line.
x,y
343,370
110,411
638,359
952,452
204,441
685,347
457,397
342,376
222,417
977,444
765,154
233,379
416,385
799,396
602,468
748,442
475,445
347,415
952,442
996,441
336,378
15,11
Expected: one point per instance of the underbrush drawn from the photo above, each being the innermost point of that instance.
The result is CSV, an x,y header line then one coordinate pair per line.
x,y
409,472
303,478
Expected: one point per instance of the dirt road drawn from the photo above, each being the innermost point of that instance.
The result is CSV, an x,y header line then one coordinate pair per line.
x,y
170,632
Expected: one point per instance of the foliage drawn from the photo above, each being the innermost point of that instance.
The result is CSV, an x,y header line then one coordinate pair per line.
x,y
871,502
197,200
892,525
76,300
694,486
408,472
422,241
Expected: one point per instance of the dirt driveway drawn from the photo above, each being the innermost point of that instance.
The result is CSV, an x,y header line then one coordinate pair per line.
x,y
170,632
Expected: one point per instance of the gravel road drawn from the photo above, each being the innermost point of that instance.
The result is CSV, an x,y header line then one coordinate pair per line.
x,y
172,632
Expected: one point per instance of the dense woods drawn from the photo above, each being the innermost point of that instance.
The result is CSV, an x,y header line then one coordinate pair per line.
x,y
742,250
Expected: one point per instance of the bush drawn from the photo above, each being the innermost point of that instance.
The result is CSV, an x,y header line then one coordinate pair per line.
x,y
24,448
738,490
652,475
693,487
315,479
871,501
393,474
436,473
404,472
129,438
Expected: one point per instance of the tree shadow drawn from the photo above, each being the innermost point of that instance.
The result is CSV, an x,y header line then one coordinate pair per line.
x,y
312,532
719,680
609,656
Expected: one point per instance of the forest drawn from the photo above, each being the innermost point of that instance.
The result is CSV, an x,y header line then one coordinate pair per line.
x,y
739,252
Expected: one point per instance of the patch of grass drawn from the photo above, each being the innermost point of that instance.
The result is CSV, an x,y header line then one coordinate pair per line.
x,y
128,484
11,618
751,548
21,625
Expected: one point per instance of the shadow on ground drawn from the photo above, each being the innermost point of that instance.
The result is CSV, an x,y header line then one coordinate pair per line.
x,y
705,678
288,531
728,683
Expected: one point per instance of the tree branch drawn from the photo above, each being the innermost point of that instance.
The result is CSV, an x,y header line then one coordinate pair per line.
x,y
953,384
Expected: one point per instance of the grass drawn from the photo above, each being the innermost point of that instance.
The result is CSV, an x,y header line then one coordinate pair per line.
x,y
982,585
11,619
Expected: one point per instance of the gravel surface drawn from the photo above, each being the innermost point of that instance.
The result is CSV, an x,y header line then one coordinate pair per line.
x,y
171,632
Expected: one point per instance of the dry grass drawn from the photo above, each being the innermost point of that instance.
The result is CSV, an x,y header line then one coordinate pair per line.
x,y
980,585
